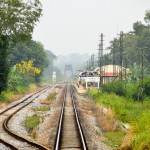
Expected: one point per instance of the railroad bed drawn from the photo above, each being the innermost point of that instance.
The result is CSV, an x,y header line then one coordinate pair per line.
x,y
10,139
70,135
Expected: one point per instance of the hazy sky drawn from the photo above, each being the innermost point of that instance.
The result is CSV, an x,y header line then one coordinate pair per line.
x,y
70,26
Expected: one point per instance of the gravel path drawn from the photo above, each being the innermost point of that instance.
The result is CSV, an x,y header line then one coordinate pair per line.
x,y
3,147
46,131
16,124
93,133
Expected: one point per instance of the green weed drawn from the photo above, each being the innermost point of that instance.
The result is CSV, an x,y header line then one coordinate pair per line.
x,y
51,97
32,121
42,108
6,96
115,138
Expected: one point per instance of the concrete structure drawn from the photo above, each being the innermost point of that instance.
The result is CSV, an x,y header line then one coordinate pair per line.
x,y
87,77
111,72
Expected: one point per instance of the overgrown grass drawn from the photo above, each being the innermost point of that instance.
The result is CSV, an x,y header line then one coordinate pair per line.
x,y
32,121
132,112
115,138
7,96
42,108
51,97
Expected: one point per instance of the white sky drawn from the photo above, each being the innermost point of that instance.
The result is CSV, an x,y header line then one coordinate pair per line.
x,y
74,26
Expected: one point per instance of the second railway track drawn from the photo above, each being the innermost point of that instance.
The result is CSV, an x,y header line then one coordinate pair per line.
x,y
69,135
11,139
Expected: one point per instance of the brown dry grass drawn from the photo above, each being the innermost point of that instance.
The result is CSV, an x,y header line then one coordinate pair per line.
x,y
107,121
126,144
2,105
105,117
46,102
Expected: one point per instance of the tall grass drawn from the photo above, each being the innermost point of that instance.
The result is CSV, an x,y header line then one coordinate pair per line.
x,y
132,112
8,95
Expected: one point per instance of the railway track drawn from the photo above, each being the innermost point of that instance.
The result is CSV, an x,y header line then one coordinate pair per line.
x,y
69,134
10,139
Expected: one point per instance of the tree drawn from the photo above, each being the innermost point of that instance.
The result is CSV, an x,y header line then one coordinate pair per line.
x,y
17,21
47,75
147,16
132,45
30,50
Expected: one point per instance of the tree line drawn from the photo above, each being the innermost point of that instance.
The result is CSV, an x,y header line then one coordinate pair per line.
x,y
17,21
136,44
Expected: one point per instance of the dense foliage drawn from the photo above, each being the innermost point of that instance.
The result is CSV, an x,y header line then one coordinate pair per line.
x,y
17,21
138,91
133,43
30,50
21,75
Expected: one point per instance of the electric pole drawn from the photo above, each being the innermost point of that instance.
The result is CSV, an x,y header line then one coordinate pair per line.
x,y
121,53
100,57
114,63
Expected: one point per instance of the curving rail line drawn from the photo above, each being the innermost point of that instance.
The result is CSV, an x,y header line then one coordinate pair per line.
x,y
8,145
16,136
59,139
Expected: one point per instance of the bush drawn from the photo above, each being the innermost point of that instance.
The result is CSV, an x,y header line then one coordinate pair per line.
x,y
6,96
115,87
32,122
130,90
146,86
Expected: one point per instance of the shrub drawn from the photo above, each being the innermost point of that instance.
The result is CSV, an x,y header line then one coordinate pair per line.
x,y
146,86
137,91
32,121
6,96
42,108
115,87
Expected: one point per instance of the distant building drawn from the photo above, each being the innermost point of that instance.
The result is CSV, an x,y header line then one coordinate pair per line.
x,y
108,74
111,72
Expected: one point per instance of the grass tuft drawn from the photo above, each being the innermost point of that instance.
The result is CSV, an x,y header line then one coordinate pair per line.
x,y
42,108
115,138
51,97
32,121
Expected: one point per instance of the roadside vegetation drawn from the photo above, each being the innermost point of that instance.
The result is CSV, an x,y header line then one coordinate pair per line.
x,y
129,106
23,61
129,96
32,122
51,97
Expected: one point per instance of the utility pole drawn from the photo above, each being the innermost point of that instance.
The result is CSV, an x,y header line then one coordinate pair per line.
x,y
126,65
99,64
142,65
89,63
114,64
142,71
93,60
121,53
142,68
100,57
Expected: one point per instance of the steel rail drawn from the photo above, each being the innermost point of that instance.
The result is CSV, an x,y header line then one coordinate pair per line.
x,y
8,145
59,130
83,141
58,139
5,123
7,109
